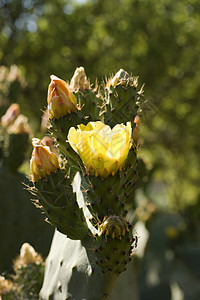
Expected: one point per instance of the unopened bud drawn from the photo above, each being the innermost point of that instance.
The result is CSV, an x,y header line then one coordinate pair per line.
x,y
5,286
10,116
121,77
45,121
27,256
61,101
136,130
115,226
79,80
20,126
47,141
43,161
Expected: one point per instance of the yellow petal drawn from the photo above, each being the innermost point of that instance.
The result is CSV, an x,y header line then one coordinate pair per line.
x,y
102,150
73,137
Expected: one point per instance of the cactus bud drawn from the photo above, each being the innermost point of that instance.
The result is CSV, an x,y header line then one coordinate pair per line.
x,y
27,256
47,141
79,80
5,286
20,126
114,226
45,124
61,101
43,161
136,132
120,78
103,150
10,116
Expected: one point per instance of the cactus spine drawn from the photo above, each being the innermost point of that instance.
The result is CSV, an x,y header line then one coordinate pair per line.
x,y
84,124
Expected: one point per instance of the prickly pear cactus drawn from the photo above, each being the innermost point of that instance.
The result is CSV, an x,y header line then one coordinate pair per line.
x,y
18,218
96,132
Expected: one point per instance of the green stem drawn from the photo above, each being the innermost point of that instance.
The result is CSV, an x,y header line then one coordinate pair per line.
x,y
106,285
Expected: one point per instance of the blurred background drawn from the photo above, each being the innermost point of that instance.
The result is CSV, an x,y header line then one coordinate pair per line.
x,y
157,41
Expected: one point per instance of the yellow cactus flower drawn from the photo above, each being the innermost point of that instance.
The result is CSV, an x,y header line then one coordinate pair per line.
x,y
103,150
43,161
61,101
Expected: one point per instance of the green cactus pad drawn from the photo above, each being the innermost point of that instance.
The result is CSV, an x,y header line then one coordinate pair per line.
x,y
121,103
59,129
129,174
89,104
104,196
114,244
107,196
57,200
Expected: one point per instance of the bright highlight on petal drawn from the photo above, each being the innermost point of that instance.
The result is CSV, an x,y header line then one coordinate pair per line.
x,y
103,150
61,101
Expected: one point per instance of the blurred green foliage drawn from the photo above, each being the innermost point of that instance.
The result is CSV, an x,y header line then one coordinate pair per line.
x,y
155,40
